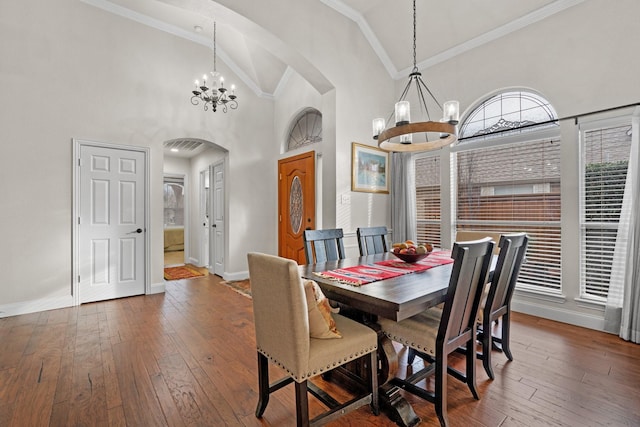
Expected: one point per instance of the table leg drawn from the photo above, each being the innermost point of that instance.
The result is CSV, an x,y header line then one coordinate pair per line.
x,y
391,401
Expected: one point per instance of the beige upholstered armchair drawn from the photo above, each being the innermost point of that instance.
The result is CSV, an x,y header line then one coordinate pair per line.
x,y
286,316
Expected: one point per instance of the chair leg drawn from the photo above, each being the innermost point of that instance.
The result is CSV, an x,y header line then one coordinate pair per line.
x,y
411,355
375,405
441,390
506,325
302,404
486,350
471,367
263,384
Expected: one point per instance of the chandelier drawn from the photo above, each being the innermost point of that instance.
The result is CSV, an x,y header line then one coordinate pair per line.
x,y
400,137
211,97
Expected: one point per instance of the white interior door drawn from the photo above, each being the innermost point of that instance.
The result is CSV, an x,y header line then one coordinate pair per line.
x,y
111,242
218,218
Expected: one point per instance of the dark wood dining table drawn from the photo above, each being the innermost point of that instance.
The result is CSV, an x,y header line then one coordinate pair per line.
x,y
395,298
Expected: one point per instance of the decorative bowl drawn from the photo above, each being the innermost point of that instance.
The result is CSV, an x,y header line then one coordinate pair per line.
x,y
411,258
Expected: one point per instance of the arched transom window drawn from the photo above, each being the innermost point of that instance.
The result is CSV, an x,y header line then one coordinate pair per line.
x,y
305,129
508,111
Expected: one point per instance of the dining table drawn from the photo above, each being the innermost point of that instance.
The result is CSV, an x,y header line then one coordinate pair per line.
x,y
404,293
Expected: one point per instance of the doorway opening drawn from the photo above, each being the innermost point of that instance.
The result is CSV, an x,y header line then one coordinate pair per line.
x,y
174,220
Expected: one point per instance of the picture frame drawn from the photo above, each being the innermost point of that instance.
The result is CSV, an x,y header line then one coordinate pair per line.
x,y
369,169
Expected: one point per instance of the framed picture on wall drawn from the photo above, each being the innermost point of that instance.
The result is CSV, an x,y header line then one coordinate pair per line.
x,y
369,169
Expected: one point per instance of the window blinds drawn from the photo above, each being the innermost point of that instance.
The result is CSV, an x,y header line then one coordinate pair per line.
x,y
512,188
605,158
427,172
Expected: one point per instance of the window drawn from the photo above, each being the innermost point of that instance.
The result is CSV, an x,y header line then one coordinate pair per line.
x,y
427,172
173,202
605,158
508,180
306,129
508,112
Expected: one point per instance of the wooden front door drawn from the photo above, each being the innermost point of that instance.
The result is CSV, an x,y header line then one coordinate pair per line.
x,y
296,204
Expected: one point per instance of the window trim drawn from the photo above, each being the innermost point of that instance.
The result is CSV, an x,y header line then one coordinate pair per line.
x,y
489,141
585,126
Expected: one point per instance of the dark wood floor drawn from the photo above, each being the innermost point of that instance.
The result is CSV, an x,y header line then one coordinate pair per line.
x,y
187,357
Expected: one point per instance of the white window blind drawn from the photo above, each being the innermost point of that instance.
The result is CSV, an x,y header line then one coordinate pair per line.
x,y
512,168
605,158
427,171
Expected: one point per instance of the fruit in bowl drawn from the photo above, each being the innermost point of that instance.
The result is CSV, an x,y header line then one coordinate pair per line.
x,y
410,251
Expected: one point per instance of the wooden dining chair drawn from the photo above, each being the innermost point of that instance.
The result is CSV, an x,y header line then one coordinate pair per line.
x,y
496,301
323,245
372,240
435,333
468,235
286,334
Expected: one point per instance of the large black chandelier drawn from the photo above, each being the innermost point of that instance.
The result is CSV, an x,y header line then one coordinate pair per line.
x,y
400,137
212,97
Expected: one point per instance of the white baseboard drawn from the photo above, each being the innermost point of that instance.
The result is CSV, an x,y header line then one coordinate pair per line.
x,y
527,307
242,275
156,288
44,304
34,306
554,313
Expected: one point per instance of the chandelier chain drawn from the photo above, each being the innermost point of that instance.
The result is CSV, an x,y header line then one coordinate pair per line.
x,y
214,48
415,67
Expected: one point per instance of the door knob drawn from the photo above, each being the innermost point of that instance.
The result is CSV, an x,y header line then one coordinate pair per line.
x,y
139,230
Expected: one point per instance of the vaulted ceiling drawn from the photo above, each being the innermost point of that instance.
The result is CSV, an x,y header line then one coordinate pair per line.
x,y
445,29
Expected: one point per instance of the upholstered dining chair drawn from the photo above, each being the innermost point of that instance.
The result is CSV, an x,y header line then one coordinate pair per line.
x,y
283,305
372,240
435,333
323,245
496,301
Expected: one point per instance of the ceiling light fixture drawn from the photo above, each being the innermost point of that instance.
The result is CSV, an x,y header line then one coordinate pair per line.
x,y
212,97
403,132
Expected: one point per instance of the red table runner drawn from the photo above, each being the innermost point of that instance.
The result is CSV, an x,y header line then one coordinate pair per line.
x,y
363,274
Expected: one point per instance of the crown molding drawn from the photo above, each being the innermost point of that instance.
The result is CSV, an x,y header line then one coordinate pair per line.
x,y
350,13
340,7
504,30
286,76
179,32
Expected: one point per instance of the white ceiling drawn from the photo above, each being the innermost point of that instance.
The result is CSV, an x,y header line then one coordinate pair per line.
x,y
445,29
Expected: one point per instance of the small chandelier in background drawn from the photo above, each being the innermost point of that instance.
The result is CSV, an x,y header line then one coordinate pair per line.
x,y
212,97
405,129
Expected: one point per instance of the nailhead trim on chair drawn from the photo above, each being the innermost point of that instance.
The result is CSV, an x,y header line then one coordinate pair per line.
x,y
316,373
410,344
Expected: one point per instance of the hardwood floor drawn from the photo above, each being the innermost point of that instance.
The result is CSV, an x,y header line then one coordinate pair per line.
x,y
187,357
